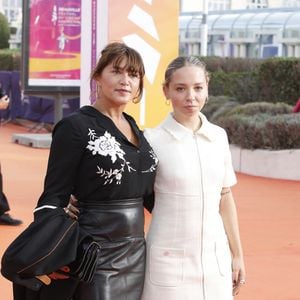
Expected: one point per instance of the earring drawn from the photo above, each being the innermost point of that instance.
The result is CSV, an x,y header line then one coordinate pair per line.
x,y
167,101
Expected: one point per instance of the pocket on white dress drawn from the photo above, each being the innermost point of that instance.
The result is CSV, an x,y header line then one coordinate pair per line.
x,y
166,266
223,257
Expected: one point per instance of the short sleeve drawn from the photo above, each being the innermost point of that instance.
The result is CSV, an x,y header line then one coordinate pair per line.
x,y
229,175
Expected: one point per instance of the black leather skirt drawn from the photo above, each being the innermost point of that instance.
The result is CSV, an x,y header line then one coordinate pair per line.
x,y
119,228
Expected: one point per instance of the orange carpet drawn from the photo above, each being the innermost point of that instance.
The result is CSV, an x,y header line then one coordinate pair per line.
x,y
269,214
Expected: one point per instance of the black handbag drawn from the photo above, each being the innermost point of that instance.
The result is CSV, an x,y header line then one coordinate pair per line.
x,y
84,266
50,242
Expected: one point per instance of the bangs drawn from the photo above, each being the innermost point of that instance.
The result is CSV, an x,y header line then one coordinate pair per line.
x,y
133,63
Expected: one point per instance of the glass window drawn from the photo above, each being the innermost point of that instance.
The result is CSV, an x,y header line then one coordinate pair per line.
x,y
184,21
257,4
242,21
266,39
211,20
218,4
225,21
193,33
292,26
237,34
275,20
292,33
11,15
294,20
290,3
257,20
195,23
194,28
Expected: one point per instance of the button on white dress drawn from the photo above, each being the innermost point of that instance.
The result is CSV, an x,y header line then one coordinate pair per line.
x,y
188,256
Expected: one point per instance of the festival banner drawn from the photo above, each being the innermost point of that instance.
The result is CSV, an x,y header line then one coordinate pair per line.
x,y
151,27
52,45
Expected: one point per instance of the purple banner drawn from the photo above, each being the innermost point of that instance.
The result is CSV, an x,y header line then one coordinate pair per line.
x,y
94,47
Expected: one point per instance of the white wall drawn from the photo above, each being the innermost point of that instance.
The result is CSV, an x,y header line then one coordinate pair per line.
x,y
282,164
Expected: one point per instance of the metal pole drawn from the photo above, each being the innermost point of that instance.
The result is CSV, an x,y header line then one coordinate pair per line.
x,y
204,28
58,108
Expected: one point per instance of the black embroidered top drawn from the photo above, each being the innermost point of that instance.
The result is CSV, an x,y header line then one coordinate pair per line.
x,y
91,159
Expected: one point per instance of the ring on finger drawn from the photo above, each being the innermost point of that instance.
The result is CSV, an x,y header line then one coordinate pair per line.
x,y
242,281
67,210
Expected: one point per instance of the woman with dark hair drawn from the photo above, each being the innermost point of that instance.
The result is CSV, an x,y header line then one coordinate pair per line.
x,y
99,155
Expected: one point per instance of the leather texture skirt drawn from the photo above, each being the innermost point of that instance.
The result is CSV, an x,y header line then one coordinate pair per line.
x,y
118,226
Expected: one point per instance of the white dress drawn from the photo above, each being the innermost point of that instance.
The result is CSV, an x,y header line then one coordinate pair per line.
x,y
188,256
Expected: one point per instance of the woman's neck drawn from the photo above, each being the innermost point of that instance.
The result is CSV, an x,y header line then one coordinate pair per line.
x,y
117,116
193,123
114,113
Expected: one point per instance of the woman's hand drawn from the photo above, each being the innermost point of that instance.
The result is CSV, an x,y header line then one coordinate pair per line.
x,y
71,210
60,274
4,101
238,275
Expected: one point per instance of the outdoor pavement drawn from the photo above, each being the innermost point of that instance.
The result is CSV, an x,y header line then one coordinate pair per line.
x,y
269,214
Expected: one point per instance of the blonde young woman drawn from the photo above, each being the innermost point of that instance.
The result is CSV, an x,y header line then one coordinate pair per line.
x,y
193,244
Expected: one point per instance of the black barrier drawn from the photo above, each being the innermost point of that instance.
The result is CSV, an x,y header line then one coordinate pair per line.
x,y
33,108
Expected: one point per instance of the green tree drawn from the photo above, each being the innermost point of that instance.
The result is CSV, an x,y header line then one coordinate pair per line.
x,y
4,32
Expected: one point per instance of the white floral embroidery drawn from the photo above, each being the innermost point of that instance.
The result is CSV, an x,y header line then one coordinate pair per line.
x,y
107,145
154,165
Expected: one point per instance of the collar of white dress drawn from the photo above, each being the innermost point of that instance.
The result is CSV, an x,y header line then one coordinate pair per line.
x,y
179,132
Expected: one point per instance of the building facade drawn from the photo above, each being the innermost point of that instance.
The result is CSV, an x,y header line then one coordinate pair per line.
x,y
253,33
216,5
12,9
